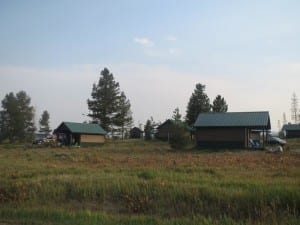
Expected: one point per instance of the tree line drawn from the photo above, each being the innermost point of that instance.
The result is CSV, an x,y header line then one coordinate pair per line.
x,y
17,118
108,106
199,102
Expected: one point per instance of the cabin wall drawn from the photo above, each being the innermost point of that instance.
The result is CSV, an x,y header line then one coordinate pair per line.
x,y
164,132
136,133
88,138
231,137
292,133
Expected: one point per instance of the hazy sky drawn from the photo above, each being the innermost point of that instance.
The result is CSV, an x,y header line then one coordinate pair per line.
x,y
247,51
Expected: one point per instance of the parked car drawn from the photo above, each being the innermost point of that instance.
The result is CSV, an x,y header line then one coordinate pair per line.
x,y
45,140
39,138
275,141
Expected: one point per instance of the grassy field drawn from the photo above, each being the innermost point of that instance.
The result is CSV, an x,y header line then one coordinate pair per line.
x,y
147,183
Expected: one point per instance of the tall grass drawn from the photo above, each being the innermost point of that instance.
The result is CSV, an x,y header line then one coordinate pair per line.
x,y
87,217
142,183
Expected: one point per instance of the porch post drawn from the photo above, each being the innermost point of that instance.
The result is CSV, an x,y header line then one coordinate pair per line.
x,y
71,139
246,138
264,139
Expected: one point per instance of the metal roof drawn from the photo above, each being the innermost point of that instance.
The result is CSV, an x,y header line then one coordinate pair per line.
x,y
234,119
291,127
83,128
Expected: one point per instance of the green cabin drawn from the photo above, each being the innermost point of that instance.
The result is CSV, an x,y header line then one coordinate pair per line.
x,y
80,134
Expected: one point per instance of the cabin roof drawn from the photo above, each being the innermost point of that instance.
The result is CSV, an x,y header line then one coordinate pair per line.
x,y
234,119
82,128
291,127
174,122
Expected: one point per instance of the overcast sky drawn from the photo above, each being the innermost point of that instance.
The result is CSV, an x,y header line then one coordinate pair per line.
x,y
246,51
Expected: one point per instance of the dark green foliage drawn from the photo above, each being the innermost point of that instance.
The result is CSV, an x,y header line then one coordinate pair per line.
x,y
176,115
108,106
198,103
44,122
149,129
180,136
147,175
219,104
17,117
103,104
123,118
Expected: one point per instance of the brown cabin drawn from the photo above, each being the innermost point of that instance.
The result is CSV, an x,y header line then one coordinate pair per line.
x,y
291,130
166,129
136,133
231,129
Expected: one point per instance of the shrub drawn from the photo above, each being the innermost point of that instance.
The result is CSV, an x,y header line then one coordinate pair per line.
x,y
179,138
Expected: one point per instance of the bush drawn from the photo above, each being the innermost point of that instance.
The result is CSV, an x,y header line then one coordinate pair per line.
x,y
179,138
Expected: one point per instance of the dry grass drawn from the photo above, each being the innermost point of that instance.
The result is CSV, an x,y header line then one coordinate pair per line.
x,y
150,181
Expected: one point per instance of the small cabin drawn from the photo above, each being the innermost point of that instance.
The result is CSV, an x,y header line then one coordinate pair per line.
x,y
165,130
232,129
80,134
136,133
291,130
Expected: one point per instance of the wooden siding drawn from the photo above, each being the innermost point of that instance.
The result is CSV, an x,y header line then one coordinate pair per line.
x,y
223,137
220,134
136,133
292,133
165,132
87,138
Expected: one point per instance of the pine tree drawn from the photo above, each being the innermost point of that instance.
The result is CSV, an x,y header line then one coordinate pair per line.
x,y
17,117
149,129
219,104
176,115
8,114
44,122
179,132
198,103
26,116
123,118
104,102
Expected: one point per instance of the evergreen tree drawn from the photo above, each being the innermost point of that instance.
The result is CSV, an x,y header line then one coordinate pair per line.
x,y
219,104
176,115
17,117
104,102
149,129
26,116
8,114
44,122
123,118
198,103
179,132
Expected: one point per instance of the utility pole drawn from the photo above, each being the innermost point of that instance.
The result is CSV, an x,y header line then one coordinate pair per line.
x,y
294,108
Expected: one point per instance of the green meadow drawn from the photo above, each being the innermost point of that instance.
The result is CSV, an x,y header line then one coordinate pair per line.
x,y
137,182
